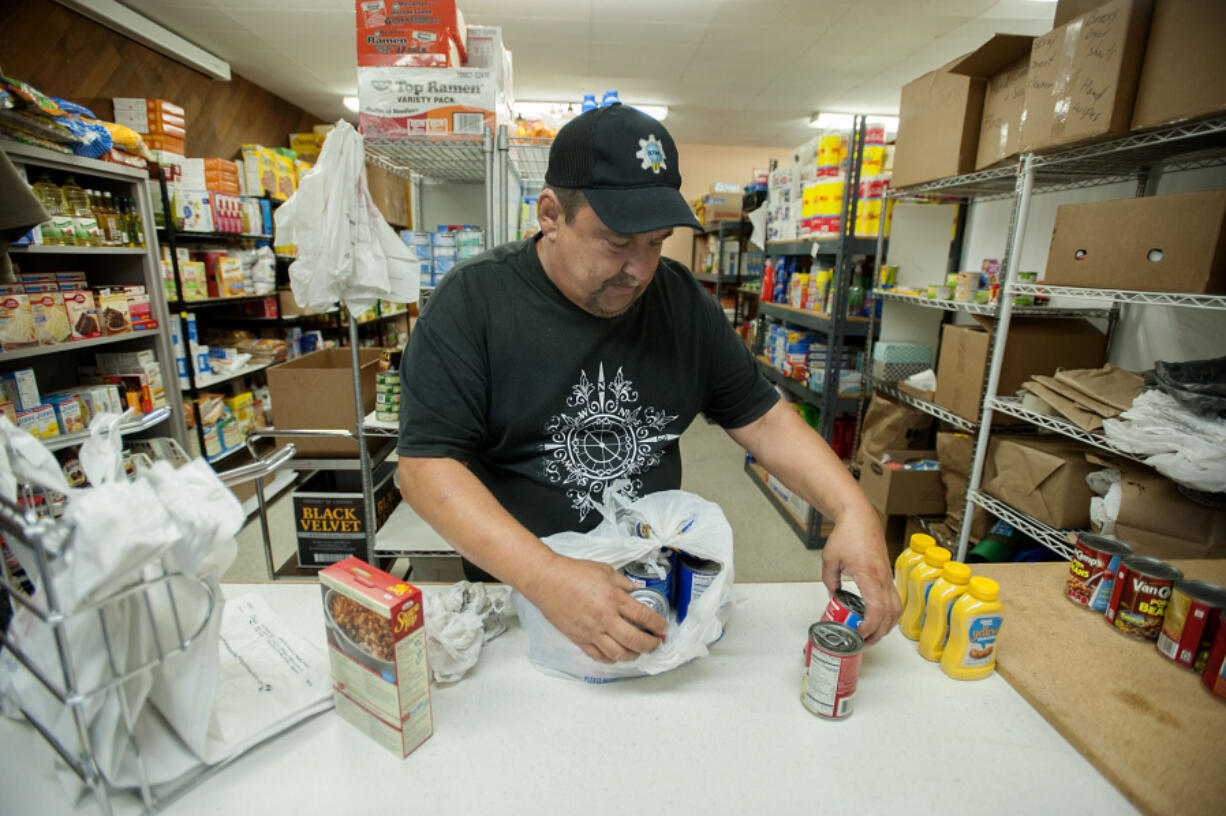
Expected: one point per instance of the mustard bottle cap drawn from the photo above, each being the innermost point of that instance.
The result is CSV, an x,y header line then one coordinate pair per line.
x,y
936,556
956,572
985,589
921,542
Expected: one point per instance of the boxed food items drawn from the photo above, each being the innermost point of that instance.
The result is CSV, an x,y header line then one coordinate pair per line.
x,y
306,145
260,168
1083,76
1043,478
194,280
1036,345
411,33
721,207
1182,77
113,311
298,388
16,318
1168,243
21,388
240,406
377,650
40,421
68,412
51,324
1004,64
140,309
407,102
898,487
169,144
328,512
82,314
141,114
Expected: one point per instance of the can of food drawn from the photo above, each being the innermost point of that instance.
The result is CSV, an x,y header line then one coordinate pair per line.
x,y
832,669
653,572
1092,570
694,576
1214,675
652,599
1142,589
1191,623
846,608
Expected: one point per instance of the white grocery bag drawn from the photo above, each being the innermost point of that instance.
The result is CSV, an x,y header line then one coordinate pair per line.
x,y
706,535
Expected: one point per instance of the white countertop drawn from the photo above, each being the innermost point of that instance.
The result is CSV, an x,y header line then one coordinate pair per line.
x,y
724,734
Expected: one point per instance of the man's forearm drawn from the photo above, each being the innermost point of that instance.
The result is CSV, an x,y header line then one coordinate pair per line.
x,y
787,447
463,511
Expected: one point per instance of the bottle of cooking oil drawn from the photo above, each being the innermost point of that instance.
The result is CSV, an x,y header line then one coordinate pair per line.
x,y
59,230
135,225
113,226
85,226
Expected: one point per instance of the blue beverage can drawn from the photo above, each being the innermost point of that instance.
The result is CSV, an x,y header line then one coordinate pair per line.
x,y
646,573
694,576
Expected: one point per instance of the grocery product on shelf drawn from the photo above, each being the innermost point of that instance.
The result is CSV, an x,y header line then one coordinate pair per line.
x,y
85,224
61,229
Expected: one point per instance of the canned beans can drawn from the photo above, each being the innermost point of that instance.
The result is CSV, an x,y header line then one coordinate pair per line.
x,y
694,576
1139,598
832,669
652,599
846,608
1092,570
647,573
1191,623
1214,675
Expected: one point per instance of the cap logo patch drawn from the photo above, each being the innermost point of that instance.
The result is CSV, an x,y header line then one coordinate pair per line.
x,y
652,154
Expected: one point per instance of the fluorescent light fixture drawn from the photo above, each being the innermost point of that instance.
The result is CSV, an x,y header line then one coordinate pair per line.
x,y
351,102
530,109
140,28
844,121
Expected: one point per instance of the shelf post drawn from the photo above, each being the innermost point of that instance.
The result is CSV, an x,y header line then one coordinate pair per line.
x,y
1017,234
487,147
368,491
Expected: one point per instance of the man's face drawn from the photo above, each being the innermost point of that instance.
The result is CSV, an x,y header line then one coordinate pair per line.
x,y
601,271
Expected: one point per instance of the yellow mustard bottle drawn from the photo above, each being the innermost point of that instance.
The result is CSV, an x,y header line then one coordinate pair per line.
x,y
919,580
908,559
974,626
935,630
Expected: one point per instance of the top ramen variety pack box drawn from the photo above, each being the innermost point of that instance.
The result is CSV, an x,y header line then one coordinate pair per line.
x,y
377,650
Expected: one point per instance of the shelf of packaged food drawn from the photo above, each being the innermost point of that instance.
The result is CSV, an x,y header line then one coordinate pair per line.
x,y
1122,295
1055,540
73,345
217,379
1013,407
137,424
282,481
757,474
989,309
48,249
178,305
930,408
825,246
193,235
19,152
452,158
844,403
853,327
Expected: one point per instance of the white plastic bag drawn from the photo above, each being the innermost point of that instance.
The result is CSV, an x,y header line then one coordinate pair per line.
x,y
459,622
346,251
706,535
1177,443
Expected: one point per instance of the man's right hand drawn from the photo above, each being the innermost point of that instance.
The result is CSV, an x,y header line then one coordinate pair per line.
x,y
589,603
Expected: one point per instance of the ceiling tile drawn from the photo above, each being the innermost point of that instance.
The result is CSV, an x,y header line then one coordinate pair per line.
x,y
646,12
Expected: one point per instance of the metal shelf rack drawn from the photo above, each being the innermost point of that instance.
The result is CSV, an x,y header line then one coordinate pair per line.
x,y
1121,296
930,408
1055,540
989,309
1013,407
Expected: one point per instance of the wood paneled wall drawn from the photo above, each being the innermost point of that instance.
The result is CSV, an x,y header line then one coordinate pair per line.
x,y
65,54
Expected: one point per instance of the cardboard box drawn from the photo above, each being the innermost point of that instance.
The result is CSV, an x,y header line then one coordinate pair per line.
x,y
406,102
316,391
113,311
1036,345
377,651
20,387
1158,520
39,421
938,127
328,515
1083,77
1170,243
721,207
955,452
1182,76
1068,10
1002,63
16,318
902,492
1045,478
82,314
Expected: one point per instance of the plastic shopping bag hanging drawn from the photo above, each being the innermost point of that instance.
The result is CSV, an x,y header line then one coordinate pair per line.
x,y
346,251
668,519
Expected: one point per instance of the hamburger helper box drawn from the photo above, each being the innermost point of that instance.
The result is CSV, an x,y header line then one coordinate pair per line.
x,y
377,650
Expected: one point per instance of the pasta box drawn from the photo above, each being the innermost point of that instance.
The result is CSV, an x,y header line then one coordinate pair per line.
x,y
328,513
375,625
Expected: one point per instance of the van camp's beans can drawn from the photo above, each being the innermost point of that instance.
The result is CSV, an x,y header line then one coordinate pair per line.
x,y
832,669
846,608
1214,675
693,577
1092,570
1191,623
1142,590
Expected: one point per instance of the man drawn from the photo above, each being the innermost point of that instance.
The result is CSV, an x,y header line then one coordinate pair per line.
x,y
545,370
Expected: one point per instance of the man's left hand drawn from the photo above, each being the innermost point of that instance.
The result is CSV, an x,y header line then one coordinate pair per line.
x,y
856,547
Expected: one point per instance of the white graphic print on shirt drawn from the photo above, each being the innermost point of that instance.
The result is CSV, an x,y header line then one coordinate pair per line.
x,y
605,439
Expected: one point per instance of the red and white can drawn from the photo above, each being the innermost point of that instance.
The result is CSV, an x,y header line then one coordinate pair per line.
x,y
845,607
1092,570
1191,623
832,669
1139,598
1214,675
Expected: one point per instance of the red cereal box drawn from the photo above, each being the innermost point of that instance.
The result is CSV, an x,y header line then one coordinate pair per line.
x,y
377,649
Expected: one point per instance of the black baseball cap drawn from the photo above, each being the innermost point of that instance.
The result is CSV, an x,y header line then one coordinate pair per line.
x,y
626,164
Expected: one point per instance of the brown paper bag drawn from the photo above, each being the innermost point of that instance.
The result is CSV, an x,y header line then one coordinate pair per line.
x,y
1083,401
1113,386
956,451
1086,420
1043,478
888,425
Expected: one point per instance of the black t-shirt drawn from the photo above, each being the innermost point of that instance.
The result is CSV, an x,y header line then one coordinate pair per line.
x,y
548,404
